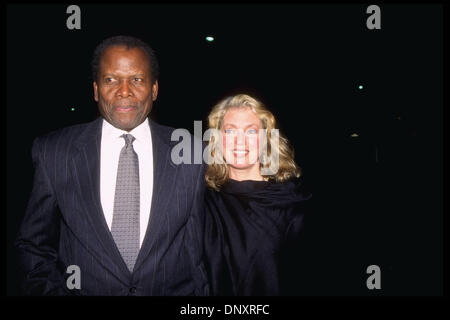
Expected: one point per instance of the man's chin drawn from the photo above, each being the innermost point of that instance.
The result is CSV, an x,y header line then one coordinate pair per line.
x,y
124,125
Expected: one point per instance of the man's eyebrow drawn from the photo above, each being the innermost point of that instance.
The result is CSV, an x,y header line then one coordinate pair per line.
x,y
134,75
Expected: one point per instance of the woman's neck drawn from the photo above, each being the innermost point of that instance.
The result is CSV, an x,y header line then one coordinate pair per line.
x,y
252,173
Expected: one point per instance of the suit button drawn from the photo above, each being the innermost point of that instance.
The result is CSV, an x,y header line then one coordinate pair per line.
x,y
133,290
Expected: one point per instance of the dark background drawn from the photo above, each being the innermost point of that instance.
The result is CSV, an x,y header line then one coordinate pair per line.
x,y
378,197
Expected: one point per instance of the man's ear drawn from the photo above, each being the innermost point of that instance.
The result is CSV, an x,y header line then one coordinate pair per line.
x,y
95,91
155,90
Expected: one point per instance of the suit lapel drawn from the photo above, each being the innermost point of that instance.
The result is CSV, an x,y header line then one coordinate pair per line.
x,y
164,178
87,172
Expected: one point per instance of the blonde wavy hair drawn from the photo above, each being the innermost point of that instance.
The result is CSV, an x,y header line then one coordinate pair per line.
x,y
218,173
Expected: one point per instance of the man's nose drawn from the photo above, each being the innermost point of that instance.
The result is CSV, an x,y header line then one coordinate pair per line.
x,y
124,89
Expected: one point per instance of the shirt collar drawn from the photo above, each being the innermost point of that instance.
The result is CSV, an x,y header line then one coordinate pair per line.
x,y
141,133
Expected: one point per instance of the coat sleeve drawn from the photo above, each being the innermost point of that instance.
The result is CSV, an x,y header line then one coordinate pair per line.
x,y
297,256
38,236
196,229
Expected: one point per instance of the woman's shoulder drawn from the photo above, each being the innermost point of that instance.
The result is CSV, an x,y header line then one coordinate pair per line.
x,y
289,191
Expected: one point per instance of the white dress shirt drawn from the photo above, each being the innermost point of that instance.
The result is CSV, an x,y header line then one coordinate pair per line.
x,y
111,145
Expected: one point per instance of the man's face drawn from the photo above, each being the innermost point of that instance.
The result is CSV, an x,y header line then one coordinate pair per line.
x,y
123,89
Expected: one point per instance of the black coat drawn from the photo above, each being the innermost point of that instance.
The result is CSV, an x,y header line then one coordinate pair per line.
x,y
249,224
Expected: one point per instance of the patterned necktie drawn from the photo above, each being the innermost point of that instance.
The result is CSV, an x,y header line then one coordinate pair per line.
x,y
125,224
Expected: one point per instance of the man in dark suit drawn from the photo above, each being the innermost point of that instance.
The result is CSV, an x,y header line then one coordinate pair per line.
x,y
107,197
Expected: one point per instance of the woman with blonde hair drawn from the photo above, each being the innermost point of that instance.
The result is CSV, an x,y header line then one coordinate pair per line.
x,y
255,202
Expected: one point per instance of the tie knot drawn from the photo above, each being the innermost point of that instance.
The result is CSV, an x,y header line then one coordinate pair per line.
x,y
128,139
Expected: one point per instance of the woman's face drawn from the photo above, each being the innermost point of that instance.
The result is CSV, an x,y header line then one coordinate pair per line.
x,y
240,132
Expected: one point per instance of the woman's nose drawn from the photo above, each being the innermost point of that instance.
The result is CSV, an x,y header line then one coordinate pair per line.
x,y
240,137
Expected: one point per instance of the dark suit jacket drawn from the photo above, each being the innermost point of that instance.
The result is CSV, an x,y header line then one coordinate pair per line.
x,y
64,223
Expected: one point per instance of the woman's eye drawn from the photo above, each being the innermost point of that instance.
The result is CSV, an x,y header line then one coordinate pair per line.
x,y
251,131
229,131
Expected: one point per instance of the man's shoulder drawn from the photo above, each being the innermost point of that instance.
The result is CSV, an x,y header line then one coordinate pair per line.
x,y
172,138
160,129
163,130
65,136
170,135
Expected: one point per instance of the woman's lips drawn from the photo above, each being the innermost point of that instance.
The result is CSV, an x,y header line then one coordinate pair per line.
x,y
240,152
